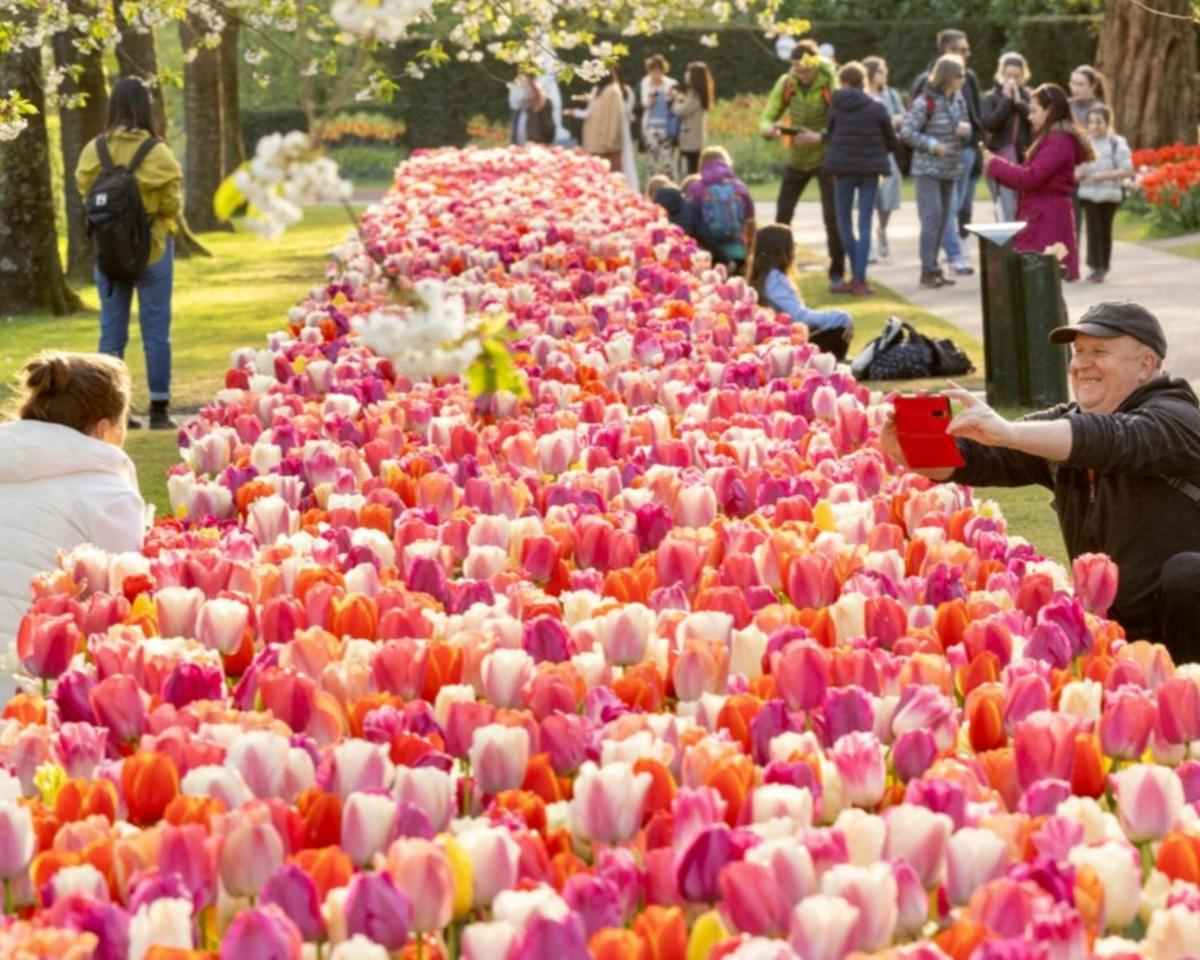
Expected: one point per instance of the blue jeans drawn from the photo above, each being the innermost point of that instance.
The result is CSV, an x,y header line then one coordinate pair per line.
x,y
935,200
858,248
962,205
154,317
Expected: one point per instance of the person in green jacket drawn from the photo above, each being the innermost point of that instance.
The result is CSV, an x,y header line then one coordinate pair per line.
x,y
159,183
798,110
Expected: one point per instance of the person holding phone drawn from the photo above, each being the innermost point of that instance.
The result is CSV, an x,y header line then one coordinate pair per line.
x,y
1123,461
1007,132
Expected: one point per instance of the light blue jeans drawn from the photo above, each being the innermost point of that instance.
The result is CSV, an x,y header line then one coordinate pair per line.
x,y
963,202
154,317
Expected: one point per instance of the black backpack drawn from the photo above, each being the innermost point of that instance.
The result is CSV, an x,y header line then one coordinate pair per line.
x,y
901,353
116,220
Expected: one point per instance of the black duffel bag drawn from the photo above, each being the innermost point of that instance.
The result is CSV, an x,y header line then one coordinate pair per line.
x,y
901,352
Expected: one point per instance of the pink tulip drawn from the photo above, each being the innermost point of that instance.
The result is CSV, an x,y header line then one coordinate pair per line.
x,y
678,561
1044,746
17,839
696,506
118,705
368,825
484,562
188,852
973,857
428,789
270,519
260,758
46,643
624,632
607,803
802,672
399,667
860,763
773,801
495,857
221,624
1149,800
250,852
790,864
823,927
752,899
266,933
499,757
1179,710
505,673
359,765
422,872
1095,581
919,836
873,891
1126,723
701,667
811,581
178,610
912,900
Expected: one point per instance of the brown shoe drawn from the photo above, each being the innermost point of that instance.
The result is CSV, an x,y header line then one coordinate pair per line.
x,y
933,280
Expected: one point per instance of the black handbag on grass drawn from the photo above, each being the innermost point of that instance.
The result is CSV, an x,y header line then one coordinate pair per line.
x,y
901,352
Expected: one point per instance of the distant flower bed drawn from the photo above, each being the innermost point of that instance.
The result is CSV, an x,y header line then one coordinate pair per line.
x,y
362,128
1168,182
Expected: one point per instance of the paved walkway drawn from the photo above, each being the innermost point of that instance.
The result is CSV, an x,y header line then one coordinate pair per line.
x,y
1166,283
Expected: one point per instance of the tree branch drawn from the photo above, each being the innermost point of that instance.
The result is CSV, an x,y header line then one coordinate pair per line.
x,y
1193,18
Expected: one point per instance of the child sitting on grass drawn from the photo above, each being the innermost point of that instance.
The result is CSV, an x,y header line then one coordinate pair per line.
x,y
680,211
725,210
774,251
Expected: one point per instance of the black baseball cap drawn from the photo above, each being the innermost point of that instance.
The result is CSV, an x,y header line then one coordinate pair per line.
x,y
1116,318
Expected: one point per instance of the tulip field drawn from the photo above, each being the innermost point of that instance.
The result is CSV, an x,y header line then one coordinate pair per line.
x,y
664,660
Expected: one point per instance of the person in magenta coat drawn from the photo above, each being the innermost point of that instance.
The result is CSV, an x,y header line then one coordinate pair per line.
x,y
1046,180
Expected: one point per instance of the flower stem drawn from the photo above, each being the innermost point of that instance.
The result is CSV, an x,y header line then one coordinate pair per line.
x,y
9,908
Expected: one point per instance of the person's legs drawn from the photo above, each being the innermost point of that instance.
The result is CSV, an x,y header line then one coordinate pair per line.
x,y
843,200
833,240
1091,213
1179,597
966,205
951,241
1008,203
691,159
115,301
868,188
790,191
1108,213
929,211
154,317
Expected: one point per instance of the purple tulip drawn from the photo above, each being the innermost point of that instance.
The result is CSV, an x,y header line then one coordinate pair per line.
x,y
188,682
594,900
565,736
293,892
563,939
696,872
377,909
108,923
71,696
546,640
1043,797
265,933
847,710
912,753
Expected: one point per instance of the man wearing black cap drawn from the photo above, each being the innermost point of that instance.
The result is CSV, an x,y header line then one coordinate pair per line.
x,y
1123,461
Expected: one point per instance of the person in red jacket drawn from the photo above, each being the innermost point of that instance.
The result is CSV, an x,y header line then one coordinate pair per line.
x,y
1046,180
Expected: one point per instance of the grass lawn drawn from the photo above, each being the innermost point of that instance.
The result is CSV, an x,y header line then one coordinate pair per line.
x,y
768,190
232,300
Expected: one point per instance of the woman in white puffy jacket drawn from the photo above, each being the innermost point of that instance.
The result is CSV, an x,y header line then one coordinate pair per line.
x,y
64,479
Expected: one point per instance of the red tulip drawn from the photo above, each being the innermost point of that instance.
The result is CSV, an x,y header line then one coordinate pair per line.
x,y
46,643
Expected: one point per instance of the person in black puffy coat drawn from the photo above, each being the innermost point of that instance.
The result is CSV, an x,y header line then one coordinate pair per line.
x,y
860,139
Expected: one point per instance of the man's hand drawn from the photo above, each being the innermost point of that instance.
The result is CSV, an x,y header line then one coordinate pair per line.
x,y
939,150
772,132
889,443
977,421
987,157
806,136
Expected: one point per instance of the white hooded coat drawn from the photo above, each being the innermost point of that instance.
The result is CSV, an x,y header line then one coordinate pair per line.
x,y
59,488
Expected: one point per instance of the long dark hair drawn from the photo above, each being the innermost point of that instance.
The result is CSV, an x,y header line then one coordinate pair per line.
x,y
700,82
774,249
129,107
1053,99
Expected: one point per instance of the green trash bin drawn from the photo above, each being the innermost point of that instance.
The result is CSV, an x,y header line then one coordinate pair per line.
x,y
1022,302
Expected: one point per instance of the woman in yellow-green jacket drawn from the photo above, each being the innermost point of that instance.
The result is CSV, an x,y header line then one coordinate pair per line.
x,y
158,179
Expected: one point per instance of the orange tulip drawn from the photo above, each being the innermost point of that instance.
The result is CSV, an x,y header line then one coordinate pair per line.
x,y
376,516
985,714
309,576
322,816
443,666
45,825
641,687
157,952
663,931
1179,857
613,943
541,780
46,864
662,787
1089,898
525,804
198,810
949,621
733,778
250,491
355,615
736,715
983,668
28,709
78,799
959,941
367,703
1088,775
1001,769
327,867
149,782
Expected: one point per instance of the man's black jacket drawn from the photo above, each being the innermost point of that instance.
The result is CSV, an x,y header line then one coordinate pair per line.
x,y
1112,495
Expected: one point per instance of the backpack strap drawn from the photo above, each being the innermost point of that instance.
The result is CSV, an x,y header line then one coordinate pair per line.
x,y
103,153
143,149
1186,487
789,91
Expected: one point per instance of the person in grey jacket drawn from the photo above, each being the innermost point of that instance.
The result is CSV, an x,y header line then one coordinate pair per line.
x,y
1100,188
937,127
1123,461
691,106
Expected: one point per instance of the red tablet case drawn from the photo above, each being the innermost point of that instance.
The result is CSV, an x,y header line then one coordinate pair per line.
x,y
921,429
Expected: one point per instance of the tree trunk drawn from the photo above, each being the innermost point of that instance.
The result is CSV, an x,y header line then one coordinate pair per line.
x,y
231,117
31,275
1150,61
79,125
137,56
204,159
